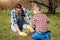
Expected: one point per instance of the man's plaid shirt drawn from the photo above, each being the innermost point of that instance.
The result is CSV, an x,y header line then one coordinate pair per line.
x,y
14,13
40,22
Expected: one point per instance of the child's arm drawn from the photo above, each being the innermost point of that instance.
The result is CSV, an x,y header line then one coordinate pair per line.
x,y
47,19
32,23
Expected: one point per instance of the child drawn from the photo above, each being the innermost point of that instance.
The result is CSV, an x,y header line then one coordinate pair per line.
x,y
39,23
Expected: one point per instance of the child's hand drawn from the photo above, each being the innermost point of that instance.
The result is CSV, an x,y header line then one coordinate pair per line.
x,y
30,29
23,34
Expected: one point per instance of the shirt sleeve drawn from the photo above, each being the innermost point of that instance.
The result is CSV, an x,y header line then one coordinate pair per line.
x,y
27,15
33,23
47,19
13,17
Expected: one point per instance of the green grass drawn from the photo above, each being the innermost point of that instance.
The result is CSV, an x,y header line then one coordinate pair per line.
x,y
54,26
6,33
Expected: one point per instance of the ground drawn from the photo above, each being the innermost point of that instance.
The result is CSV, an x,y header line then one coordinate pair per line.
x,y
20,38
7,34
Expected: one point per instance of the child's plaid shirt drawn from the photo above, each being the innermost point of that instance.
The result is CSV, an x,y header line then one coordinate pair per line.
x,y
40,22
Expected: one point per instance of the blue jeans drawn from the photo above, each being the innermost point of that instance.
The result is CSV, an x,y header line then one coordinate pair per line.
x,y
41,36
21,23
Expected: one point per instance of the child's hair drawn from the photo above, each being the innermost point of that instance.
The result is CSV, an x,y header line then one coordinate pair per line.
x,y
37,5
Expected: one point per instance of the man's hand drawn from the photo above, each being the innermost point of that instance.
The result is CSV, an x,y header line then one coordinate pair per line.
x,y
23,34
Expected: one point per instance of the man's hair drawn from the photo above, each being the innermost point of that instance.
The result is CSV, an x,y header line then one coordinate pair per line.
x,y
18,6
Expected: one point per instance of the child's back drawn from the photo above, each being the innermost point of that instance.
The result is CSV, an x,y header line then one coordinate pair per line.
x,y
40,22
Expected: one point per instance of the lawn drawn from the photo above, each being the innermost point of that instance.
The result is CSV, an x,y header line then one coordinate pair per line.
x,y
7,34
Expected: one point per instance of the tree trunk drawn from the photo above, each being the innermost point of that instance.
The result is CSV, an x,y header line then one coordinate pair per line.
x,y
51,9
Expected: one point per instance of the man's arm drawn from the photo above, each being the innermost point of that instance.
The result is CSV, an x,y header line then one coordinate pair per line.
x,y
14,20
13,17
16,26
27,15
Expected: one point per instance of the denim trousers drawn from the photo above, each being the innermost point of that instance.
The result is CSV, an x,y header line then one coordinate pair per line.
x,y
41,36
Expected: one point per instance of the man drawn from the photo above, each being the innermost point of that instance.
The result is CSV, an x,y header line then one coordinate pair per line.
x,y
17,19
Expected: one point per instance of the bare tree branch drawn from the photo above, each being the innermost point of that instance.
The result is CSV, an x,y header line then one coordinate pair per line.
x,y
55,7
39,3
